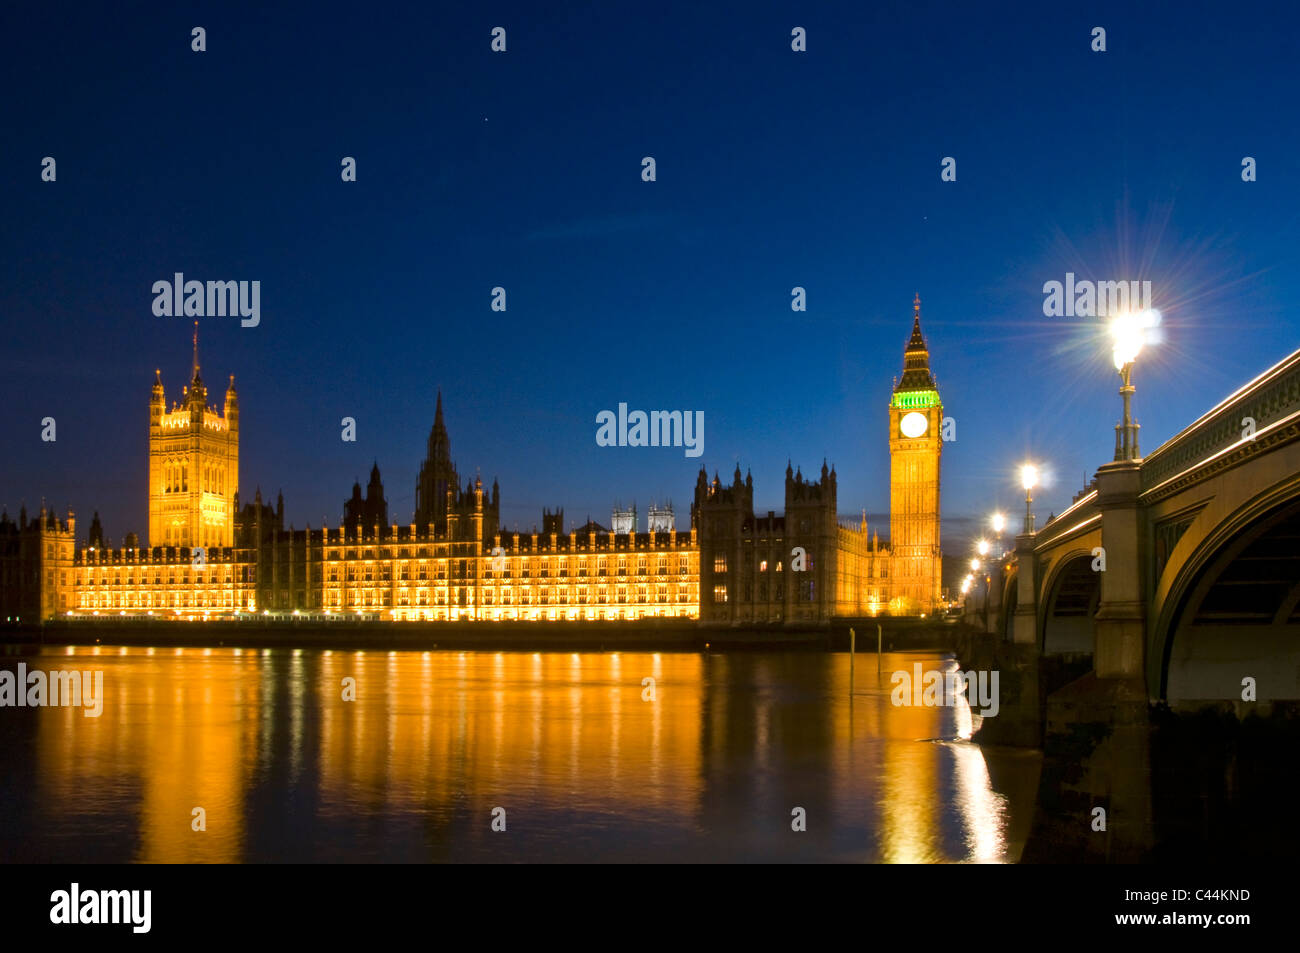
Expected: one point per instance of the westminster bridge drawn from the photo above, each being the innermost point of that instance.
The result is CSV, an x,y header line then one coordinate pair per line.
x,y
1179,570
1149,639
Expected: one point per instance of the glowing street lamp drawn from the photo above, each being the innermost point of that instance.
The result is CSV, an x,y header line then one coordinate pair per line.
x,y
999,522
1129,332
983,547
975,565
1029,479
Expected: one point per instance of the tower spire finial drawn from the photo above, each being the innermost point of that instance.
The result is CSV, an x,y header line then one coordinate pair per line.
x,y
196,349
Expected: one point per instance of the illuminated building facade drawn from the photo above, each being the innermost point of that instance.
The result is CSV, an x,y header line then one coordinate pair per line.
x,y
36,557
453,561
193,465
458,565
915,445
811,565
411,573
805,566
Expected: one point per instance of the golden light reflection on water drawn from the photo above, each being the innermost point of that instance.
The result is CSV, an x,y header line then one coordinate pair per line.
x,y
586,768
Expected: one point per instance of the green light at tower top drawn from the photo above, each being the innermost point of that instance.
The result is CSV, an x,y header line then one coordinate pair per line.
x,y
915,399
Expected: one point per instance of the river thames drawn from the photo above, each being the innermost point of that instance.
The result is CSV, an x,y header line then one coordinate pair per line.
x,y
586,759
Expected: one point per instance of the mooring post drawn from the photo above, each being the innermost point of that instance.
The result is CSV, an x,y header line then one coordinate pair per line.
x,y
853,648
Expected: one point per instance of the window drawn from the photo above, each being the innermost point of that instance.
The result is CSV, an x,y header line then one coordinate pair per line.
x,y
720,563
762,565
719,593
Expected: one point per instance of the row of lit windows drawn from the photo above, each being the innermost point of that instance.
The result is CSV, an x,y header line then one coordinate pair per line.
x,y
213,576
720,564
512,557
369,597
519,567
164,600
805,591
545,615
176,478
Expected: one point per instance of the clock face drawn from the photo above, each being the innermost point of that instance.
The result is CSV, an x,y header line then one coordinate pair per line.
x,y
913,424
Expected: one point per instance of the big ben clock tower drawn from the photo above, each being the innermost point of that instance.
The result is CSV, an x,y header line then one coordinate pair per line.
x,y
915,422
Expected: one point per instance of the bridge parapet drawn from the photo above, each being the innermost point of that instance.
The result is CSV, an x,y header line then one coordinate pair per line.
x,y
1219,436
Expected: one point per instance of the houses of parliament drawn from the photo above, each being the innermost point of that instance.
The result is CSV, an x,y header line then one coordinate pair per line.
x,y
208,556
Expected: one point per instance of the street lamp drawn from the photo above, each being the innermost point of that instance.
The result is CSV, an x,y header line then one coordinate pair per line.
x,y
1029,479
1128,333
983,547
975,565
999,522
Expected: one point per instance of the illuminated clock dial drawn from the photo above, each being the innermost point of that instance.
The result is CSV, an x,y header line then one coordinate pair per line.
x,y
914,424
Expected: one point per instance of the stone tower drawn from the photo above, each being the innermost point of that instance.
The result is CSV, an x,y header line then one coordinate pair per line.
x,y
193,465
915,444
437,476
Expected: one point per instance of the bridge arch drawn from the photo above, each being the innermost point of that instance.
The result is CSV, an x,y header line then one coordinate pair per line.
x,y
1071,593
1233,608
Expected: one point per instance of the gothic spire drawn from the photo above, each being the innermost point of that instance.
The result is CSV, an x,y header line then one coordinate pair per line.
x,y
916,357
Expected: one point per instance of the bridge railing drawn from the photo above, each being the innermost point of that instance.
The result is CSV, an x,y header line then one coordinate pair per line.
x,y
1271,397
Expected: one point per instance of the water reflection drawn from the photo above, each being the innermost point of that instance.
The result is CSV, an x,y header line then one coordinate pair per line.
x,y
584,765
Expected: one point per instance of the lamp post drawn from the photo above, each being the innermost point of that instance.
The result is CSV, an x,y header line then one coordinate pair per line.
x,y
1029,478
999,522
1128,333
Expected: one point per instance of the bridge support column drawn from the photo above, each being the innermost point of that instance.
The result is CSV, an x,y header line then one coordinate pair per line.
x,y
1120,623
1097,755
1024,625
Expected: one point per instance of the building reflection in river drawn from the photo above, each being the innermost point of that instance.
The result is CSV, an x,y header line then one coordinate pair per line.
x,y
586,765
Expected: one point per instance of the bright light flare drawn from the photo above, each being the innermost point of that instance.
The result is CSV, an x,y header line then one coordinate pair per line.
x,y
983,547
1029,476
1130,332
999,522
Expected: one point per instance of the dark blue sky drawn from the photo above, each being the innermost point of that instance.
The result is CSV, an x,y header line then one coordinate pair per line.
x,y
775,169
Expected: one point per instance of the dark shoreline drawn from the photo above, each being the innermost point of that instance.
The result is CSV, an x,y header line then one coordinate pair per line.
x,y
641,635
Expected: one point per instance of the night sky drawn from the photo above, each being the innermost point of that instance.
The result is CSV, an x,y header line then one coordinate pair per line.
x,y
522,169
